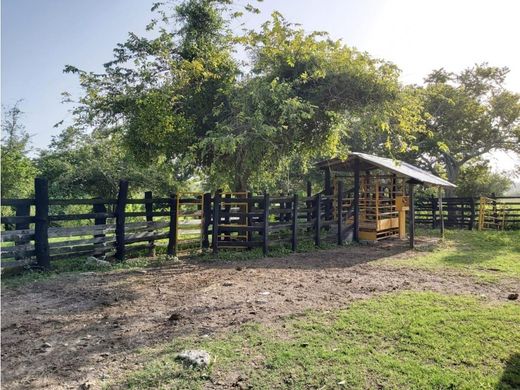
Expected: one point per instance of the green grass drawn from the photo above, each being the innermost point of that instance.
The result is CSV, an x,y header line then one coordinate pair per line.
x,y
401,341
486,254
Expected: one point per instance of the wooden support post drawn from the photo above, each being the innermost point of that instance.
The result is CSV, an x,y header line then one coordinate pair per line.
x,y
309,204
472,215
122,197
328,191
340,212
356,200
148,206
41,223
317,223
411,220
172,232
267,203
434,211
22,210
294,225
206,217
441,213
99,221
216,221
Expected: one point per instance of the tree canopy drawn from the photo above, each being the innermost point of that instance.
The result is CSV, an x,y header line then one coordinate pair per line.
x,y
185,96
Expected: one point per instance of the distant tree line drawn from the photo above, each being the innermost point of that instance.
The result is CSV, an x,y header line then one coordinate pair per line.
x,y
182,110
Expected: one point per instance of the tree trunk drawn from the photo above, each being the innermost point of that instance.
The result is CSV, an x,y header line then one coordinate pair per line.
x,y
453,171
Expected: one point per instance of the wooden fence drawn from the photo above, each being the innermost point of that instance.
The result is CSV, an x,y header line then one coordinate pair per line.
x,y
42,229
493,212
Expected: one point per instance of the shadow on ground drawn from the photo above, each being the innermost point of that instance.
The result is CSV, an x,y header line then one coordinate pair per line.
x,y
511,377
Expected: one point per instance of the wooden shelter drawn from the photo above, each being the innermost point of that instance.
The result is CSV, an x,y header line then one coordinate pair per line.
x,y
381,192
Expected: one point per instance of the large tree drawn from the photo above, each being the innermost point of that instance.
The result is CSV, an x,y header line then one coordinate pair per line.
x,y
184,96
469,114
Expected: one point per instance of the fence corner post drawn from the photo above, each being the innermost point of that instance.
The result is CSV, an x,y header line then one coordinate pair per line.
x,y
216,220
41,223
122,197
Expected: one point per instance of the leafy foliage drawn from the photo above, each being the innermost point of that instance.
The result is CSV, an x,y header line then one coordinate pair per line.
x,y
79,164
18,170
470,114
477,179
183,96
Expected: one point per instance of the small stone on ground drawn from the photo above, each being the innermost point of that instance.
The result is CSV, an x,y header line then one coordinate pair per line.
x,y
195,358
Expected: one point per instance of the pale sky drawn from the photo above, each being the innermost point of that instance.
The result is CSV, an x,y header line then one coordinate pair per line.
x,y
39,37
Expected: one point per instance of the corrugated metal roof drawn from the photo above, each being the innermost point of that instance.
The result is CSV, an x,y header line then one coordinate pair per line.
x,y
398,167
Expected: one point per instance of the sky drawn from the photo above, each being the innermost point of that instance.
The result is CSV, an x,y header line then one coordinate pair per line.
x,y
40,37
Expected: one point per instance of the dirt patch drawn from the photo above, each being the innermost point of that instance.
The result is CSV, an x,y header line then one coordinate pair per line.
x,y
81,328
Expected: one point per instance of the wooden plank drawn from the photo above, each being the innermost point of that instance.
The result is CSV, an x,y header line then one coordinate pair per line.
x,y
94,201
17,235
74,217
17,202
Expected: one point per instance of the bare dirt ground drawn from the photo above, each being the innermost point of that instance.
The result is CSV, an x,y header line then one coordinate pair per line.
x,y
72,331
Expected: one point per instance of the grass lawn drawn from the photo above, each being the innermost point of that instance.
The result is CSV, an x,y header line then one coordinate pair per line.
x,y
486,254
399,341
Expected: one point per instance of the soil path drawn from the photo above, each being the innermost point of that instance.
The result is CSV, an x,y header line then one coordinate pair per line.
x,y
78,328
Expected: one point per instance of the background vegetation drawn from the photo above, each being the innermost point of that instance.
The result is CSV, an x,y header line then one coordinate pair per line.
x,y
184,110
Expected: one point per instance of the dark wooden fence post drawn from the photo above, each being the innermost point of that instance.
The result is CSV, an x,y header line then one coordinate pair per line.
x,y
356,200
99,208
206,215
294,224
22,210
122,197
41,223
472,215
148,206
216,221
340,212
172,233
434,211
267,203
317,224
309,204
